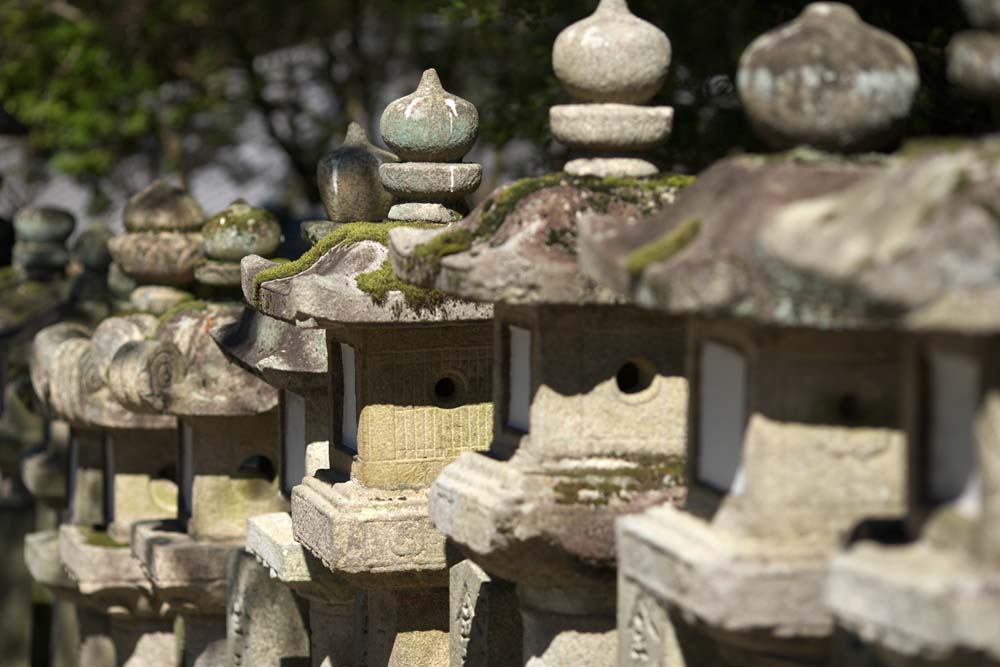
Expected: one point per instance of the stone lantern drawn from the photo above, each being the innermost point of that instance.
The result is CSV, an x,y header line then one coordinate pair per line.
x,y
228,420
794,428
275,575
924,247
409,371
588,391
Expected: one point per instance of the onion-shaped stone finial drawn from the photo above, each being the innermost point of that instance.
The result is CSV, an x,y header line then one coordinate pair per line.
x,y
430,124
829,80
163,207
40,241
612,56
349,183
240,230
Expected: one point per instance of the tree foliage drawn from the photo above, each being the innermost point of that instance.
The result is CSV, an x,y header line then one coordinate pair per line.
x,y
99,81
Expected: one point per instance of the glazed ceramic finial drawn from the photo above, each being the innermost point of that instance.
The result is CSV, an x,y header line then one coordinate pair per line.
x,y
349,183
40,241
230,235
828,80
974,55
611,62
161,245
431,130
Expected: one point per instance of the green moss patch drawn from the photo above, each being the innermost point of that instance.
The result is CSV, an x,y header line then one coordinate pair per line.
x,y
663,248
650,473
99,538
378,283
349,234
641,191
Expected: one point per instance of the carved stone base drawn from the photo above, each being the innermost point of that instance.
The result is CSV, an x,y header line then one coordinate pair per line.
x,y
106,573
266,623
485,619
373,538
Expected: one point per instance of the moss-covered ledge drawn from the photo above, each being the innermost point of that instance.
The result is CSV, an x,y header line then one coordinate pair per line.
x,y
345,235
648,195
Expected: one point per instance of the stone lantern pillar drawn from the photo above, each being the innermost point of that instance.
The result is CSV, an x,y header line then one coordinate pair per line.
x,y
793,417
921,592
272,580
409,371
228,453
588,390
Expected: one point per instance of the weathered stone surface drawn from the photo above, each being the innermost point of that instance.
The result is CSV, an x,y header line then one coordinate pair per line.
x,y
431,180
40,260
611,167
974,63
157,299
828,80
28,306
105,571
612,56
568,626
189,575
431,124
218,274
700,256
181,373
265,623
520,244
611,127
915,244
486,631
349,181
327,292
367,536
424,213
159,258
43,225
43,348
41,555
162,207
313,231
120,284
240,230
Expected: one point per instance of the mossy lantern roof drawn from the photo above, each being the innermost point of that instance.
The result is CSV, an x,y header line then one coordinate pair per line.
x,y
520,246
809,239
346,279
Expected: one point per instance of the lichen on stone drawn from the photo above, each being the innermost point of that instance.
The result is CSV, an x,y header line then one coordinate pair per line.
x,y
378,283
347,234
663,248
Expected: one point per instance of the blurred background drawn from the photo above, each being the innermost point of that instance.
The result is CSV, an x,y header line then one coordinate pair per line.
x,y
240,98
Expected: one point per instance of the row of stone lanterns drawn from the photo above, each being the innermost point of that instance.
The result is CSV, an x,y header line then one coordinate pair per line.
x,y
608,417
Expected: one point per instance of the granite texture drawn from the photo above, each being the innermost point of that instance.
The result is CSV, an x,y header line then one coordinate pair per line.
x,y
162,207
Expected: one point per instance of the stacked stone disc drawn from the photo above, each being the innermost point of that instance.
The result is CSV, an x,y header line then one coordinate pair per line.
x,y
430,130
974,55
40,242
612,63
157,254
230,235
828,80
